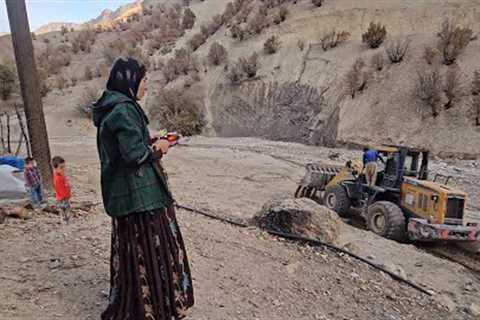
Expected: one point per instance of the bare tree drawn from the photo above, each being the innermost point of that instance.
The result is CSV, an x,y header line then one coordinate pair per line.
x,y
428,89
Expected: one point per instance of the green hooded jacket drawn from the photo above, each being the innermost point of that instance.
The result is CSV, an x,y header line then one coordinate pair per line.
x,y
131,179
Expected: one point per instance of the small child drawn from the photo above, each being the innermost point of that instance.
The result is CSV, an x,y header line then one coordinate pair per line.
x,y
33,182
62,187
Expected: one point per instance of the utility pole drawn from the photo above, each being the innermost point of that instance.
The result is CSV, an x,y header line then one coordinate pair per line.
x,y
28,75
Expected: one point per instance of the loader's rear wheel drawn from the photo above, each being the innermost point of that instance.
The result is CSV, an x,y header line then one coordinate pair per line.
x,y
387,220
336,199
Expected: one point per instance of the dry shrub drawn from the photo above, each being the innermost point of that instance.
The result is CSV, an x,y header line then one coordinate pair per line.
x,y
234,74
73,81
430,54
280,15
188,20
375,35
397,49
237,32
7,82
317,3
88,73
63,30
177,111
257,24
476,83
60,82
181,63
217,54
476,109
197,41
453,88
333,39
429,88
301,44
229,12
85,103
249,66
277,111
378,61
84,41
453,40
271,45
356,79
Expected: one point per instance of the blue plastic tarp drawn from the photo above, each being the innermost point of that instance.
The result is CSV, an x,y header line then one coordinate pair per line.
x,y
12,161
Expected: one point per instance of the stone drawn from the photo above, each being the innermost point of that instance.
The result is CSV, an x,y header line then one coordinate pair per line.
x,y
302,217
393,268
474,310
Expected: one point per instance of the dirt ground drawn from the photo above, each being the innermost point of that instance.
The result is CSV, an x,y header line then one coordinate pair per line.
x,y
52,271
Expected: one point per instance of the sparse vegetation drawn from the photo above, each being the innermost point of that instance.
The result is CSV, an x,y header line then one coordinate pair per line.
x,y
452,40
237,32
234,74
271,45
175,109
378,61
217,54
397,49
453,88
428,89
476,83
88,73
256,25
249,66
375,35
86,101
189,18
430,54
301,44
7,82
332,39
196,41
84,41
356,79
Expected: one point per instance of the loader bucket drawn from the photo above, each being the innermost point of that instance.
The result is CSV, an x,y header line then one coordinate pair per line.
x,y
316,178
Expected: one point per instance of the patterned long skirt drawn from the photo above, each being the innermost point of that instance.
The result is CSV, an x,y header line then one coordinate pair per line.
x,y
149,272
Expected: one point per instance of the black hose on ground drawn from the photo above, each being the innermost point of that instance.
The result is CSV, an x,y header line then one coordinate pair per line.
x,y
313,242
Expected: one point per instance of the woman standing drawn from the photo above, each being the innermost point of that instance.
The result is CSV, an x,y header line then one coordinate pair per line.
x,y
150,276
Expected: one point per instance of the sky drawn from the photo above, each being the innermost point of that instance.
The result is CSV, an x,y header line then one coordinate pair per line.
x,y
41,12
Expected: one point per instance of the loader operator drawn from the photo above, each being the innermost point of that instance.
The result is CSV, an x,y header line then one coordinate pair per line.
x,y
370,166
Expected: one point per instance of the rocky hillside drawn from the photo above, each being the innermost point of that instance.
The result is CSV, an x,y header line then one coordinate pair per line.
x,y
305,83
56,26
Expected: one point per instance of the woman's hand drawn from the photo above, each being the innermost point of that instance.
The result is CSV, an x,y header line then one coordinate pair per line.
x,y
162,145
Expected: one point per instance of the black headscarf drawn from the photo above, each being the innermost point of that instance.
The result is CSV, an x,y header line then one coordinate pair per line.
x,y
125,77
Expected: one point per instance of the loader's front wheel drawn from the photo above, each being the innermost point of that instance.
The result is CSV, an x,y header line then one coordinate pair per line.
x,y
336,199
387,220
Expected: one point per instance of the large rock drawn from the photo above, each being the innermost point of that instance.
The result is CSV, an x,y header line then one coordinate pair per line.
x,y
303,217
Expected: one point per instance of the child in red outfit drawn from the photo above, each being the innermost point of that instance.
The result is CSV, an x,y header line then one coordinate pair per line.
x,y
62,187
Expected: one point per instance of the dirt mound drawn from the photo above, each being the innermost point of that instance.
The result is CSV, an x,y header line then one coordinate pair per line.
x,y
302,217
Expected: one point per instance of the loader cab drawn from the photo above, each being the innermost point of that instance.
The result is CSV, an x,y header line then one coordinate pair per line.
x,y
402,162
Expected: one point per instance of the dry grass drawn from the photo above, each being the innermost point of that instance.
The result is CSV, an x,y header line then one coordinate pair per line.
x,y
397,49
271,45
333,39
453,87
